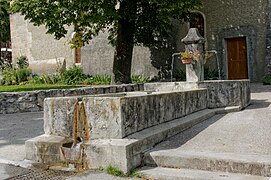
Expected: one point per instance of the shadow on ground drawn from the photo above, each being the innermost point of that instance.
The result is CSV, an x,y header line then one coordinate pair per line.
x,y
183,137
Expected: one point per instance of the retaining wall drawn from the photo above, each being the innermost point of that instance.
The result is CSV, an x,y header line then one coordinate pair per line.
x,y
32,101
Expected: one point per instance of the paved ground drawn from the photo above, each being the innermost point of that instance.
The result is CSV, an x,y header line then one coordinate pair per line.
x,y
247,131
244,132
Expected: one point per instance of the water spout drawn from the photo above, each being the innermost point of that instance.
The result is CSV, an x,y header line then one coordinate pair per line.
x,y
73,151
172,65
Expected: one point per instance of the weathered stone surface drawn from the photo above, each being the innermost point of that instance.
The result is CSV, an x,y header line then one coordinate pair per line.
x,y
194,42
48,66
221,93
118,117
44,149
59,116
227,93
33,101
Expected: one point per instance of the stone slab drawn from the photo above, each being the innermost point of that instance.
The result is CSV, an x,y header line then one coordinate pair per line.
x,y
191,174
253,164
44,149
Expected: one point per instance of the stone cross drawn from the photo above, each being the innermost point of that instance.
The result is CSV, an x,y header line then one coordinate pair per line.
x,y
194,41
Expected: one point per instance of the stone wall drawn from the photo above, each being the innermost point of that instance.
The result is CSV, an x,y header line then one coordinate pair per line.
x,y
33,42
268,40
240,18
221,93
96,57
33,101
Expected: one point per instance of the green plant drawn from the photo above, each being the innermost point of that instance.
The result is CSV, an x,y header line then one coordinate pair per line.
x,y
19,88
74,75
22,62
23,75
210,74
180,75
128,22
9,76
17,75
190,54
46,79
116,172
140,79
266,80
97,80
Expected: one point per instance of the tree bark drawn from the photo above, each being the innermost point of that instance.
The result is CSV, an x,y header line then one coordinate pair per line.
x,y
124,43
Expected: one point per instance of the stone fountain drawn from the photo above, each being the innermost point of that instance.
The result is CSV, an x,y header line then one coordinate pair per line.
x,y
116,129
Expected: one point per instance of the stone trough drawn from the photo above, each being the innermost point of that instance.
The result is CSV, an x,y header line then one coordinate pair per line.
x,y
116,129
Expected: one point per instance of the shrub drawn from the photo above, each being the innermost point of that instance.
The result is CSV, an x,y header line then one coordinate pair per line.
x,y
140,79
210,74
74,75
22,62
266,80
97,80
13,76
9,76
23,75
17,75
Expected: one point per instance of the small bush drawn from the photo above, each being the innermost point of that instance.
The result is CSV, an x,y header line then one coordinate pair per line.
x,y
46,79
210,74
22,62
97,80
9,76
74,75
17,75
23,74
140,79
266,80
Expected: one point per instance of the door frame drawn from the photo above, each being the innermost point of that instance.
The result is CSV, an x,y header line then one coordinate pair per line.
x,y
234,32
226,55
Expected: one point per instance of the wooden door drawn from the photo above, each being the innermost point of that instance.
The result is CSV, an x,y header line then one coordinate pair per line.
x,y
237,58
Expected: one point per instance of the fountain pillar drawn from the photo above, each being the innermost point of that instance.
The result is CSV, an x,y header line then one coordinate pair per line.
x,y
194,42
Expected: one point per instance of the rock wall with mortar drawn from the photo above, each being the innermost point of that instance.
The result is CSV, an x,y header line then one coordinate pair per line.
x,y
33,101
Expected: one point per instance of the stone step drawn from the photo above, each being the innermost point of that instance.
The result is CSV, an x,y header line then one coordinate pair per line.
x,y
160,173
253,164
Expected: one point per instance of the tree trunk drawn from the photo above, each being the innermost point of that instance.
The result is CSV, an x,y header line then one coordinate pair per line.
x,y
124,43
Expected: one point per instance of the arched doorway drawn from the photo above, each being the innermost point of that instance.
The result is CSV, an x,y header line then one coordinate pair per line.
x,y
198,22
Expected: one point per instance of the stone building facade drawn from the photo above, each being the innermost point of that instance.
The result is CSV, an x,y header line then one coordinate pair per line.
x,y
239,31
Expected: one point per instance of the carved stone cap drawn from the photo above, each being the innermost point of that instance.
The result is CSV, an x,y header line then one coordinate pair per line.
x,y
193,37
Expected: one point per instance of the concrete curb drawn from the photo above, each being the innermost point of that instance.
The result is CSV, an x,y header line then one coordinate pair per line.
x,y
190,174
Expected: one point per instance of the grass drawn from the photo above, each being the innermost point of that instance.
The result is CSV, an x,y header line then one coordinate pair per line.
x,y
116,172
20,88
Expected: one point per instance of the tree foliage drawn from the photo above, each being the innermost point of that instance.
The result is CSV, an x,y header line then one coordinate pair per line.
x,y
129,22
4,21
